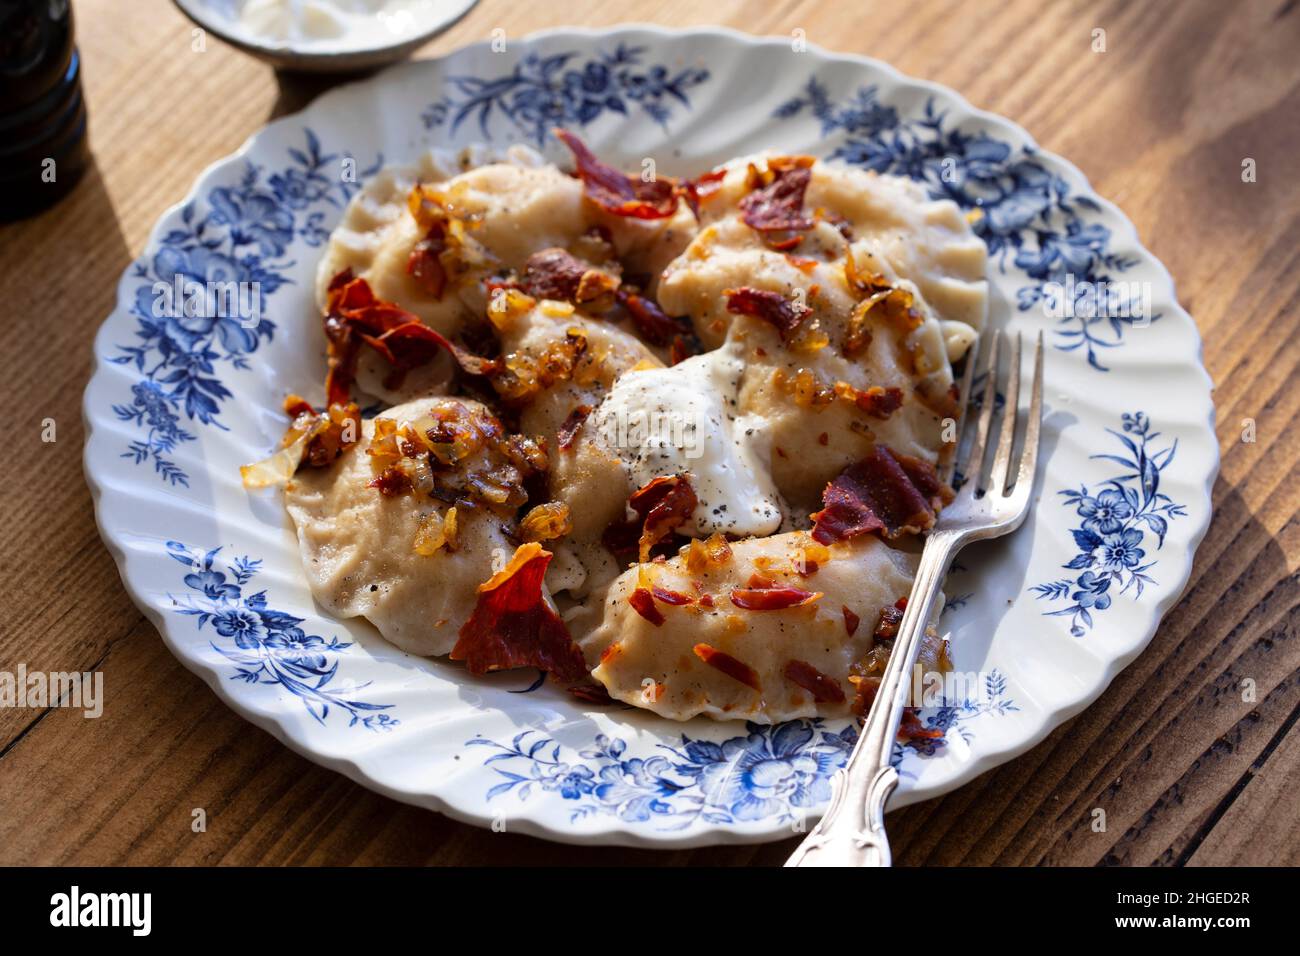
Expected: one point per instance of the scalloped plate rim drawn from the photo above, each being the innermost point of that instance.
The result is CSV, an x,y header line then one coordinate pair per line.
x,y
271,717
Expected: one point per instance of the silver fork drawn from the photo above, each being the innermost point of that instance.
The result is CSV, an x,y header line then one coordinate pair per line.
x,y
852,833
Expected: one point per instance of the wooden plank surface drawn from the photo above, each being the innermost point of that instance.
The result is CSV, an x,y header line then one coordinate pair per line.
x,y
1184,768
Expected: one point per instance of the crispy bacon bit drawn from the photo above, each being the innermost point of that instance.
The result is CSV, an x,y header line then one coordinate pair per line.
x,y
653,324
390,482
643,603
354,315
701,188
425,263
771,307
777,205
665,504
763,595
878,494
513,624
546,521
343,345
572,424
615,191
851,620
555,274
666,596
891,615
413,343
825,690
736,670
922,474
591,693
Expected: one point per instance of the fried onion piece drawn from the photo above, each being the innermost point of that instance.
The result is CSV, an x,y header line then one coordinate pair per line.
x,y
314,439
771,307
546,521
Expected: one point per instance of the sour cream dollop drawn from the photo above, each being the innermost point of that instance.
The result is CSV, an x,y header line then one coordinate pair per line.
x,y
683,419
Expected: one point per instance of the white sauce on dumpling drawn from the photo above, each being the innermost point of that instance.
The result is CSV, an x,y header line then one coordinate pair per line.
x,y
683,419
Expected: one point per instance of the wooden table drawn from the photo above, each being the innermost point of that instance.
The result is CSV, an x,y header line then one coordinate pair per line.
x,y
1185,770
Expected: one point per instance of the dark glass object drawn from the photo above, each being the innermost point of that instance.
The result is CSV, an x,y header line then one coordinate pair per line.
x,y
43,149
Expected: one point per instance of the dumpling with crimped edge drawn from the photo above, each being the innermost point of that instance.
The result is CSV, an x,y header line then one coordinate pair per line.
x,y
709,656
358,551
927,241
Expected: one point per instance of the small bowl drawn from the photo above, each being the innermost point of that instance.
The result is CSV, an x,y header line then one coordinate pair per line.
x,y
220,18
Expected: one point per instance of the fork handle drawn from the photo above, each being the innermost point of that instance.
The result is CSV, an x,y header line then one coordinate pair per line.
x,y
852,833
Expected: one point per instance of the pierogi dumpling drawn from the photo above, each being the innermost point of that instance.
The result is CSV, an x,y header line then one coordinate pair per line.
x,y
357,548
657,666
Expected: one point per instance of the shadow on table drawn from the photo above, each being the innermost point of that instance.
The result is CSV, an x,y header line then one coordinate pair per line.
x,y
296,91
59,270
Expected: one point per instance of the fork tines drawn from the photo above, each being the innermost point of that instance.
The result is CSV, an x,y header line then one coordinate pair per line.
x,y
994,481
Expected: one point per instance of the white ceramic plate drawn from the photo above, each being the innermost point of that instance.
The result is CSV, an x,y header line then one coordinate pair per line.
x,y
1043,620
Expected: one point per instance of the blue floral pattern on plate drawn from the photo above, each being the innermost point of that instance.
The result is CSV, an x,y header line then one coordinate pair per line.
x,y
772,772
768,773
241,238
557,89
1022,210
956,716
268,646
1112,536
